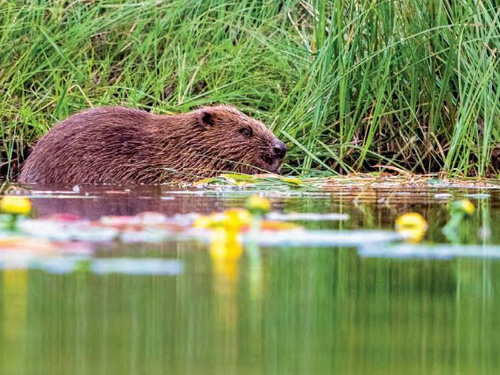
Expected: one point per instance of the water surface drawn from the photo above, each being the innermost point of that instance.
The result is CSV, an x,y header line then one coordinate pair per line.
x,y
285,310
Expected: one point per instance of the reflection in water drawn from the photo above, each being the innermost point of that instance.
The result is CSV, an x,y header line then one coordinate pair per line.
x,y
247,310
318,311
225,251
255,277
14,302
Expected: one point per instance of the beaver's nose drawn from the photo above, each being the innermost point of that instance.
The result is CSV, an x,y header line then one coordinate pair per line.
x,y
279,149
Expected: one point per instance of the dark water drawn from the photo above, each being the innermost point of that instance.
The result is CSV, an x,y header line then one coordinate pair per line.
x,y
278,311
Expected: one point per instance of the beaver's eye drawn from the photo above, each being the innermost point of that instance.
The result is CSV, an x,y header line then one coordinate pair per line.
x,y
246,132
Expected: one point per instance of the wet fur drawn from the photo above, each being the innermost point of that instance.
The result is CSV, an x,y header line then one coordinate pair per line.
x,y
118,145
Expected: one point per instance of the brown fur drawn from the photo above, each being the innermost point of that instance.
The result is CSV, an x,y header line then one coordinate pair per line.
x,y
119,145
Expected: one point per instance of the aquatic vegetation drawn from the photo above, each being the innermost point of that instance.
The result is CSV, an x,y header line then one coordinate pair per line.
x,y
239,220
259,181
412,226
232,220
459,212
228,234
258,206
274,184
226,231
401,181
14,206
62,243
225,242
226,226
463,208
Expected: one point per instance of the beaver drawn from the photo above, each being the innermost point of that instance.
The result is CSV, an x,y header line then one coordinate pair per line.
x,y
117,145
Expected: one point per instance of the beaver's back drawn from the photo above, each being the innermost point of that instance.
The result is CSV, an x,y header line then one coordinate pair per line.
x,y
104,145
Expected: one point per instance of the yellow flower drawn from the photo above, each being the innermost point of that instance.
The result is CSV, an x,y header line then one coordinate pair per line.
x,y
258,205
464,206
231,220
236,218
12,204
412,225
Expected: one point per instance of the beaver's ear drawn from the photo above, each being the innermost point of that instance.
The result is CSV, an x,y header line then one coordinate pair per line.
x,y
206,118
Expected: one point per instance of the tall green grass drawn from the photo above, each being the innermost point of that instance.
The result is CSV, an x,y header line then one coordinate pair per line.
x,y
349,85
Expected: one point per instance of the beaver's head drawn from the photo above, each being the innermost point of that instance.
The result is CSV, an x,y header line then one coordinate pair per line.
x,y
237,142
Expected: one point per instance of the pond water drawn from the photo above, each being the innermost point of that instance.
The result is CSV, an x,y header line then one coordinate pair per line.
x,y
274,310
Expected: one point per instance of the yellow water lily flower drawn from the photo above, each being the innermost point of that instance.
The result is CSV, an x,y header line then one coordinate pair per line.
x,y
464,206
258,205
15,205
231,220
412,225
237,218
460,211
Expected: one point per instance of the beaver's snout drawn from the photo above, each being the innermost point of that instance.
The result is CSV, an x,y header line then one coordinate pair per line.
x,y
275,158
279,149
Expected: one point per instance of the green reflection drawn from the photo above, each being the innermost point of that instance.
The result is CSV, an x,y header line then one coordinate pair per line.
x,y
276,311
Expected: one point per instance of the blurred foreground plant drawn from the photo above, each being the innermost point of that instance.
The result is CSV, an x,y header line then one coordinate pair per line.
x,y
227,226
14,206
412,226
460,211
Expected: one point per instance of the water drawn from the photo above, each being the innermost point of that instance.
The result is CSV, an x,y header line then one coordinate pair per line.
x,y
275,310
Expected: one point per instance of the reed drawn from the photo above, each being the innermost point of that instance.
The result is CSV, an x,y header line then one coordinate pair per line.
x,y
349,85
